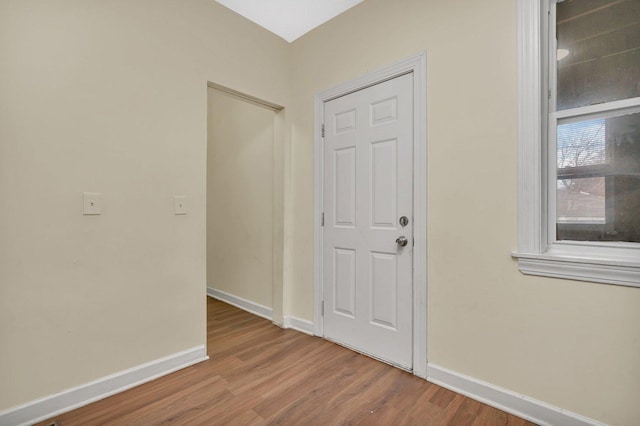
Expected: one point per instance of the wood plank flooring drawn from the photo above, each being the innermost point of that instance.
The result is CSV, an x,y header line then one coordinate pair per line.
x,y
259,374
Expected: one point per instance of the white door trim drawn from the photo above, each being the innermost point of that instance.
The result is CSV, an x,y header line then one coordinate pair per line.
x,y
417,65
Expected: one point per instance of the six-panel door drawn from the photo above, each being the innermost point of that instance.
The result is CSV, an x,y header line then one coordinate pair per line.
x,y
368,187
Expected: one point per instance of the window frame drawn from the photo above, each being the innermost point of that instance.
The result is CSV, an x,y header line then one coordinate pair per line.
x,y
539,253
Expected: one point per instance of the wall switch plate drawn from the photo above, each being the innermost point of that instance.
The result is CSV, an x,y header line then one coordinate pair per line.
x,y
92,203
180,204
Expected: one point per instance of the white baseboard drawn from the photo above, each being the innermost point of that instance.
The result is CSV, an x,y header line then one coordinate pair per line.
x,y
298,324
239,302
506,400
50,406
294,323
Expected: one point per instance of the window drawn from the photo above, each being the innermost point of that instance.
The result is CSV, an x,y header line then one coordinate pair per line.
x,y
579,192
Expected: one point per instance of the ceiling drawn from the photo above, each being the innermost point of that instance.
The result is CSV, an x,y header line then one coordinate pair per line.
x,y
289,19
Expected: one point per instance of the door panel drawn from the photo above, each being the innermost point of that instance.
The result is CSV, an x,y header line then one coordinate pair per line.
x,y
368,186
384,183
384,287
345,180
344,282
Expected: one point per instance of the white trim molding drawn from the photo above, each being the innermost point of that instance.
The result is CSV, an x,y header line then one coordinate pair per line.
x,y
417,65
579,269
82,395
239,302
538,251
503,399
298,324
530,126
293,323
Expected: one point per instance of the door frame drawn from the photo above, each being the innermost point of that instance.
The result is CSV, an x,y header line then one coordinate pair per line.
x,y
416,64
276,314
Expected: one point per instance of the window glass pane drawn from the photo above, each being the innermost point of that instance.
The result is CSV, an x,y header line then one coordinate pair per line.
x,y
581,200
581,144
598,188
598,51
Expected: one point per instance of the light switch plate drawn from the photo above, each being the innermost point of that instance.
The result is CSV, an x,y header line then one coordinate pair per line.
x,y
180,204
92,203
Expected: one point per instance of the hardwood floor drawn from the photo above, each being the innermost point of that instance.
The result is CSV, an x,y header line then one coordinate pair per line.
x,y
260,374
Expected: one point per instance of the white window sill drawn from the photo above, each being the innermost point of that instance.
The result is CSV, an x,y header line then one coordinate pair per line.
x,y
624,272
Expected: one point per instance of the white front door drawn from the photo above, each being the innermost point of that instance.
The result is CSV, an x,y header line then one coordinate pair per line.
x,y
368,190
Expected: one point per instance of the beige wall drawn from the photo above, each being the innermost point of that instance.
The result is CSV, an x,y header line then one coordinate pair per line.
x,y
574,345
240,192
110,97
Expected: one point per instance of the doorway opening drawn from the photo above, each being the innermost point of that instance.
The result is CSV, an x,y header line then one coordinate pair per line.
x,y
245,201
